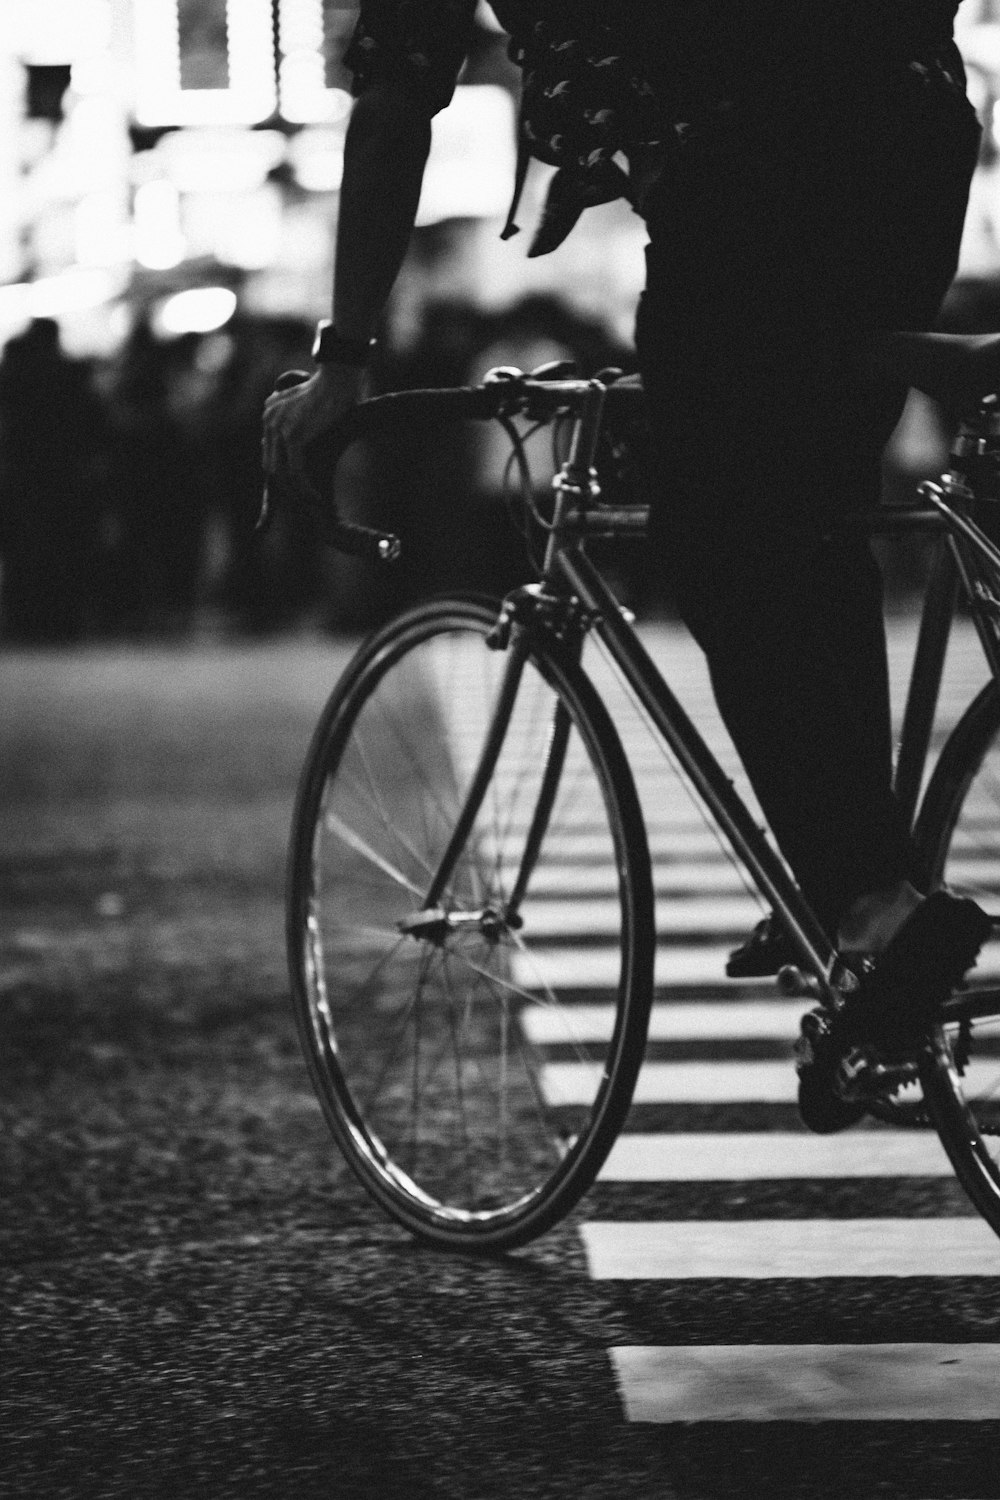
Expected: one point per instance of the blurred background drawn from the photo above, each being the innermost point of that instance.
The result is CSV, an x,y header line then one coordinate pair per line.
x,y
169,174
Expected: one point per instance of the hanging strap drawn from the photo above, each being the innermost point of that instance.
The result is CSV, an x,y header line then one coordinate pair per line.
x,y
520,175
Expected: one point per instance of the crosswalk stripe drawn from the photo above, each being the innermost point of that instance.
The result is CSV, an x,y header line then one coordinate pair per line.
x,y
809,1382
585,812
706,1020
763,1249
572,1083
686,835
598,968
724,1082
742,1156
694,964
701,893
569,881
595,843
602,918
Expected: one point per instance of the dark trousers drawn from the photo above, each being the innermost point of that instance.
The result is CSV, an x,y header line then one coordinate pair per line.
x,y
779,240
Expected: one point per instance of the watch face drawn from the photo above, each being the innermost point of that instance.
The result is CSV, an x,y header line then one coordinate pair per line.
x,y
330,348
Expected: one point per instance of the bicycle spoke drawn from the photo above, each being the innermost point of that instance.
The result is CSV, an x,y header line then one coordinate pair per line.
x,y
532,1071
361,846
459,1089
369,796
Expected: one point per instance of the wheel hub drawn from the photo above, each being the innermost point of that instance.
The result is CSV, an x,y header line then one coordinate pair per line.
x,y
435,925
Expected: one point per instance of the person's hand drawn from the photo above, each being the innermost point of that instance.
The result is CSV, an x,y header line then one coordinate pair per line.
x,y
297,416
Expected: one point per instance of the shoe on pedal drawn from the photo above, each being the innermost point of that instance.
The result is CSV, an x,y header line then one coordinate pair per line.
x,y
763,953
899,992
891,1006
819,1053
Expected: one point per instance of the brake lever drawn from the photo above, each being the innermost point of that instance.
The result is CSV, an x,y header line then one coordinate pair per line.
x,y
284,382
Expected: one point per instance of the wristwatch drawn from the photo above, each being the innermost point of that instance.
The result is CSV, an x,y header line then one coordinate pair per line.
x,y
330,349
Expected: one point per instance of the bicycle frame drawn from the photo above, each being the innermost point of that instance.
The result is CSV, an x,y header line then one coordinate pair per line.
x,y
699,764
430,1050
572,598
959,570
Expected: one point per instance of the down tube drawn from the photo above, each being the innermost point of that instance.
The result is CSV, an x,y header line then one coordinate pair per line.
x,y
698,762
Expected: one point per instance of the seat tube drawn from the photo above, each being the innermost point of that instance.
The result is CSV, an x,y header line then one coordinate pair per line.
x,y
925,681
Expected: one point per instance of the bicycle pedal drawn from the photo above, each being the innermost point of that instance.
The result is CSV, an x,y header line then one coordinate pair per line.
x,y
861,1076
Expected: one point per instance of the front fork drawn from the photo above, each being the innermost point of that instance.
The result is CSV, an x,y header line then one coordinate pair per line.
x,y
524,612
489,755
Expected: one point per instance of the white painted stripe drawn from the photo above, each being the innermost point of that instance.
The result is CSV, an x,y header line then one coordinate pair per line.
x,y
701,1020
753,1156
586,843
583,810
712,875
761,1249
675,964
681,829
966,865
712,1082
810,1382
548,919
659,783
598,968
679,1083
569,881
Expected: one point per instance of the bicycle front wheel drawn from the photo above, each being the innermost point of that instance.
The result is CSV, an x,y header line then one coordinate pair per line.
x,y
472,1091
958,836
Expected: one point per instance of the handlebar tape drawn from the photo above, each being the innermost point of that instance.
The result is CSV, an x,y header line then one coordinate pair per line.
x,y
361,541
473,402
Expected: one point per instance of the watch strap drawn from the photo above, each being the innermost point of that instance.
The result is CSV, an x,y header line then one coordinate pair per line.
x,y
330,349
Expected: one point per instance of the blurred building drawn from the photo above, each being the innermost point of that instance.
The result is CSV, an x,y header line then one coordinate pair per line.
x,y
145,144
152,145
171,168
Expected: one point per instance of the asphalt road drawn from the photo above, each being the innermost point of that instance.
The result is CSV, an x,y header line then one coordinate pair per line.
x,y
196,1300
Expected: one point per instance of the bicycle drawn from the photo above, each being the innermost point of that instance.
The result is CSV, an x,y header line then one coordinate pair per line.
x,y
466,757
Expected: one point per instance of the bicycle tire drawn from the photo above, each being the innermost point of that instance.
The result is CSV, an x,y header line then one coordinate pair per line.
x,y
446,1060
958,840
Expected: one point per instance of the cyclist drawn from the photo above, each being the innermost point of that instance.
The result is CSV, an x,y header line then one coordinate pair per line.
x,y
803,174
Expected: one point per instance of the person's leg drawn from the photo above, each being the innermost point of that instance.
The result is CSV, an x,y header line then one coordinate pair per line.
x,y
786,607
766,265
790,620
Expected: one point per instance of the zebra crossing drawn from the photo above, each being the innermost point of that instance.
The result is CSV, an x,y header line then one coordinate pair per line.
x,y
722,1126
903,1382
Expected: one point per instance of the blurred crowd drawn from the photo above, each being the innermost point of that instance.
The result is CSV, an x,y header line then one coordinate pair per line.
x,y
129,487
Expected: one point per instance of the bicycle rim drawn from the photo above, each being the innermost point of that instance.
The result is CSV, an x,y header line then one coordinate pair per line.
x,y
472,1090
958,834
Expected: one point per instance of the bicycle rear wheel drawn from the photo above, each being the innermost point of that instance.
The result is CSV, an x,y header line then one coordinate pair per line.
x,y
468,1087
958,835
